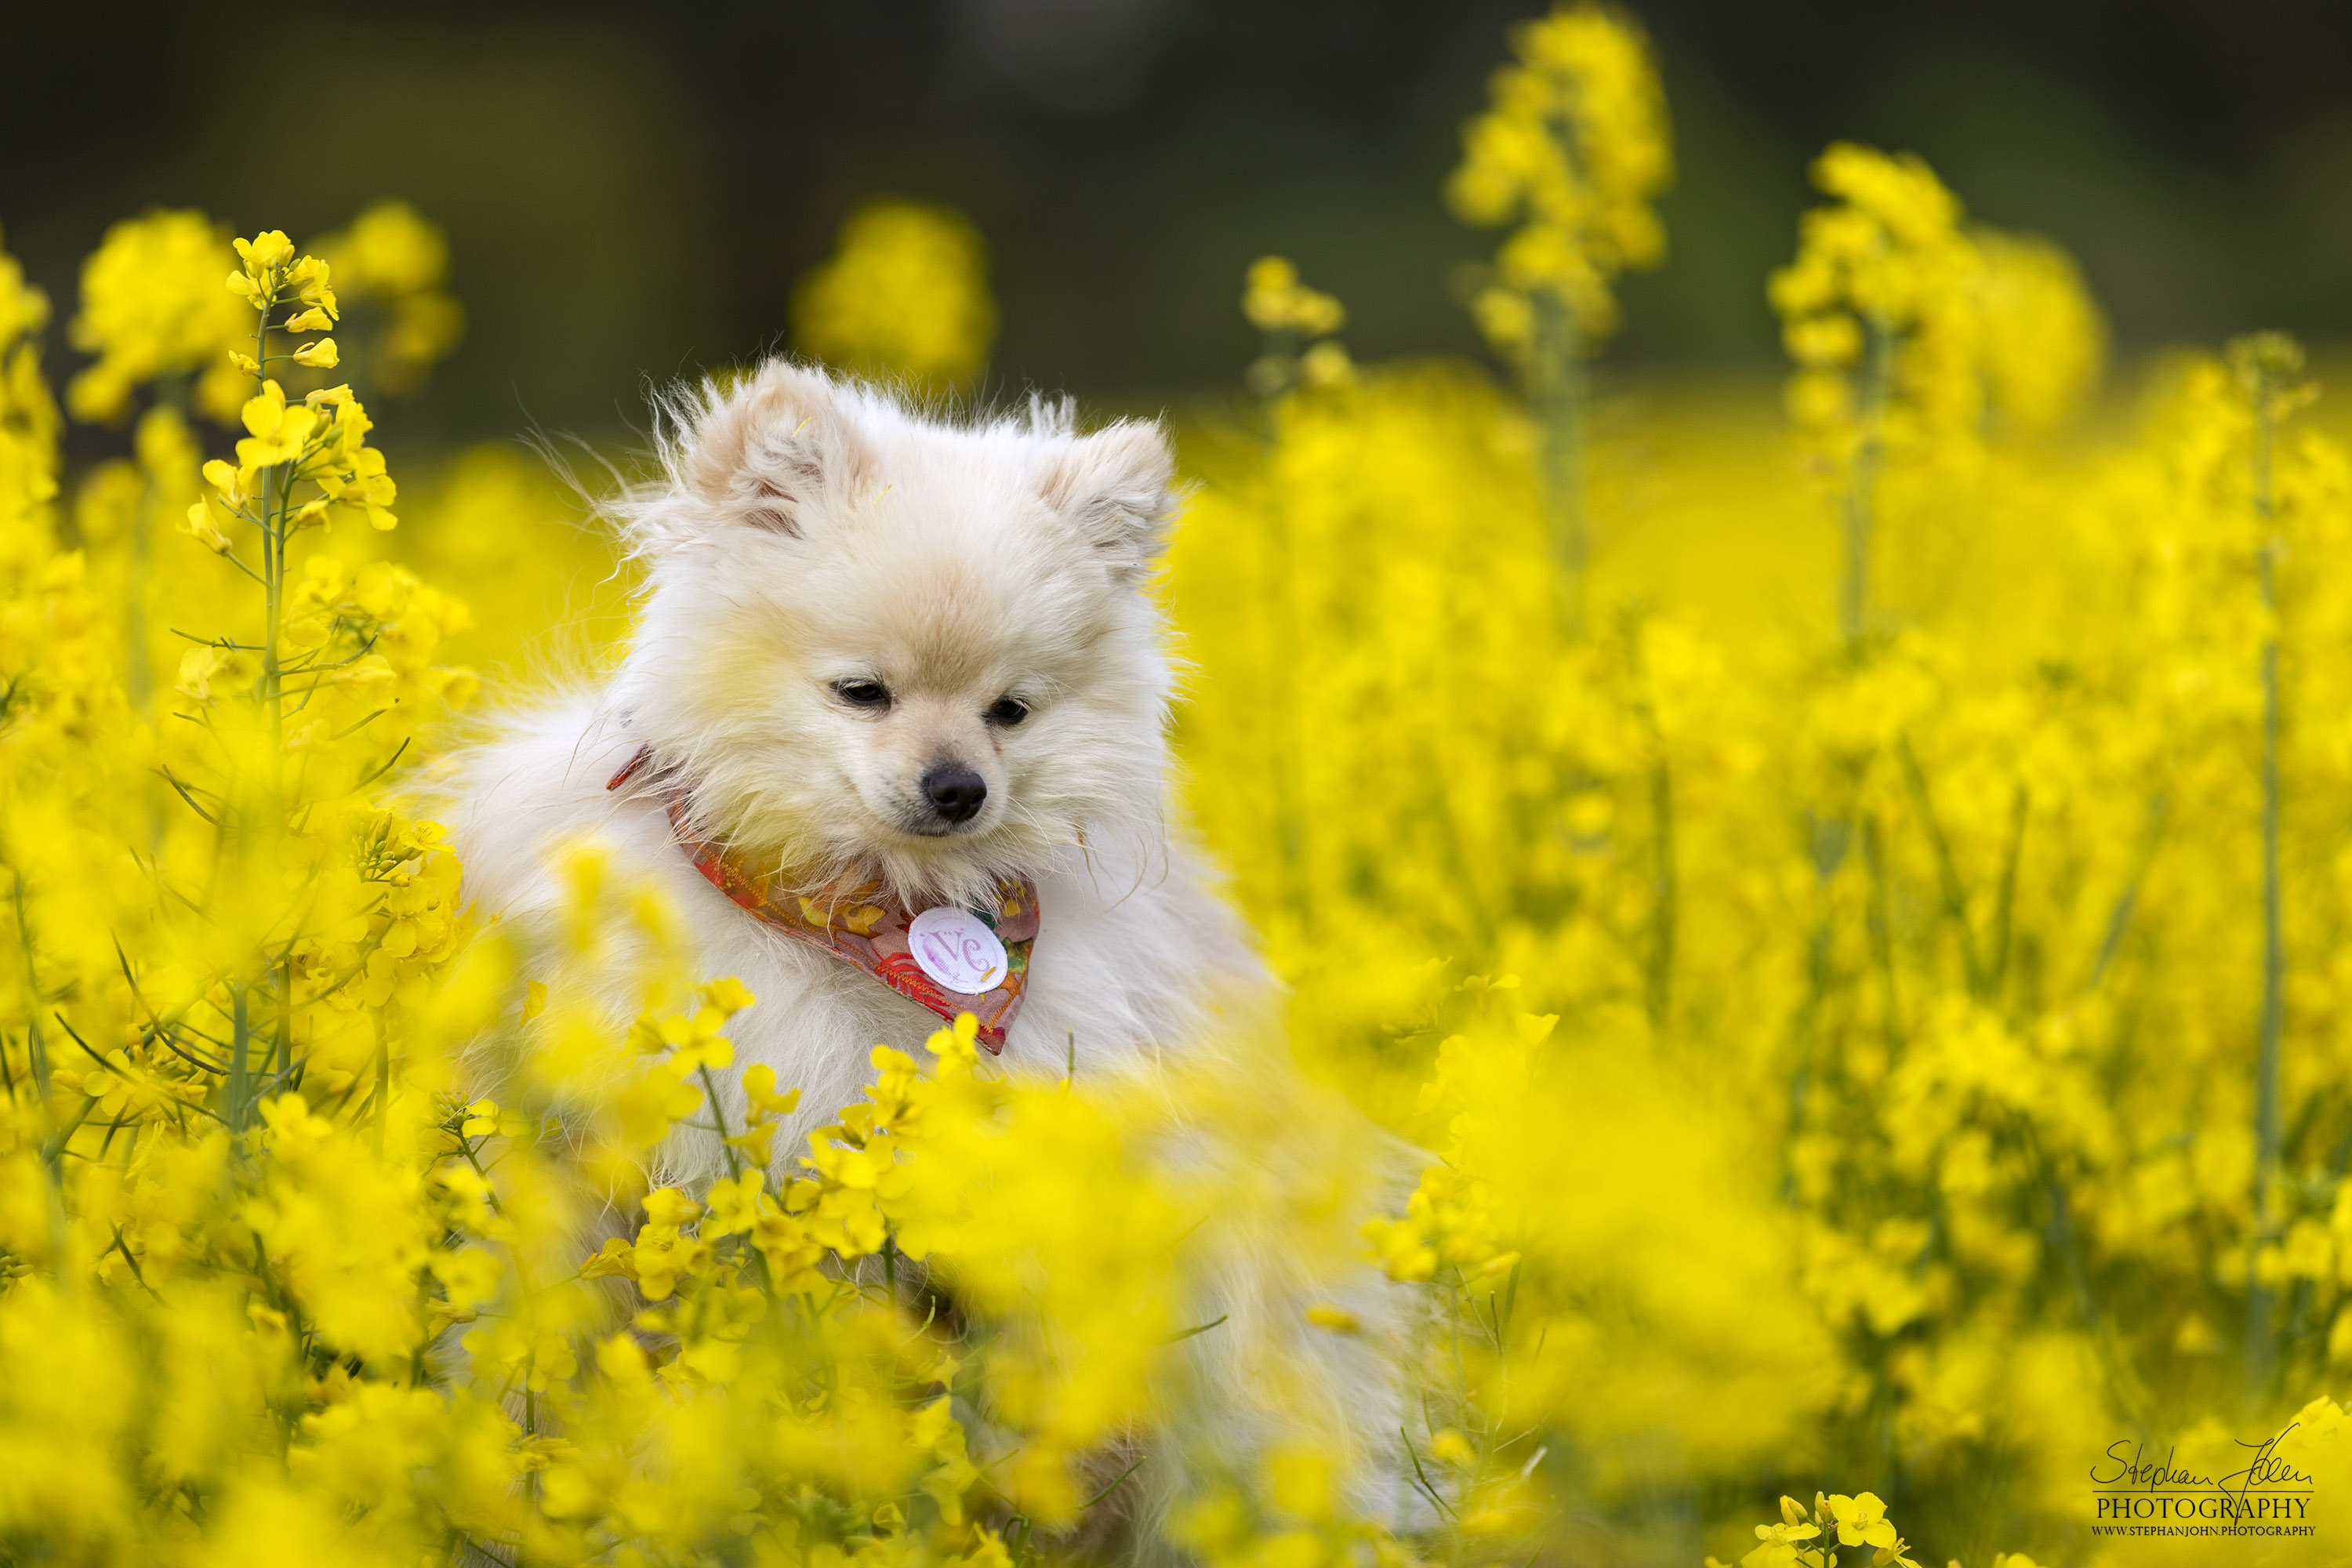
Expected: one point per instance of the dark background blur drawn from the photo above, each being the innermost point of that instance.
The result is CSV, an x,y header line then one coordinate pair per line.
x,y
630,191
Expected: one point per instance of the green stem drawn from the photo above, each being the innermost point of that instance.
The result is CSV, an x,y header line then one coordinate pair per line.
x,y
272,517
1827,848
1559,376
1663,910
1881,921
1862,480
239,1070
1947,870
2119,915
2021,806
383,1084
1808,1034
1659,979
2260,1328
36,1055
272,514
719,1120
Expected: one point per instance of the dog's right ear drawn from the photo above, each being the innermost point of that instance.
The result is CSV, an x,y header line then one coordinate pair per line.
x,y
768,452
1112,487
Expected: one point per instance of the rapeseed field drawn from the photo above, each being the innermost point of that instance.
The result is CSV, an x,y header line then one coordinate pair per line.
x,y
1852,892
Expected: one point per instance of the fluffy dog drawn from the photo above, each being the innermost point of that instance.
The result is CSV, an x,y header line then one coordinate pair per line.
x,y
887,664
875,647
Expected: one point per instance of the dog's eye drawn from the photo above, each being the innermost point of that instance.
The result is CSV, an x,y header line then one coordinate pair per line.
x,y
863,693
1007,711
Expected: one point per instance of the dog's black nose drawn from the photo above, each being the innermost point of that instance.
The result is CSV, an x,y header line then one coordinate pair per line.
x,y
955,791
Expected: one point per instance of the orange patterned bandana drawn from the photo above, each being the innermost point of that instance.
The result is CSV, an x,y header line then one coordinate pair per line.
x,y
949,960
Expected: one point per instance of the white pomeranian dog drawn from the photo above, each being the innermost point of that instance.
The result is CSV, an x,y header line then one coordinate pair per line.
x,y
892,732
888,664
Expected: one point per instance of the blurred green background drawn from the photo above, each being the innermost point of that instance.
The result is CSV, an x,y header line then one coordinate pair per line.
x,y
630,191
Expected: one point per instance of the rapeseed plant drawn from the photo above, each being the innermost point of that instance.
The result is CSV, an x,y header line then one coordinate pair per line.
x,y
1983,1093
331,1307
1574,147
152,312
906,296
393,266
1893,1047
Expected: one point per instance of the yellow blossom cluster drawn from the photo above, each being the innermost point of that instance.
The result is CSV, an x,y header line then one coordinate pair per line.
x,y
392,265
1896,1040
225,936
1296,323
1573,148
906,296
152,311
1808,1540
1277,301
1880,294
1909,330
28,415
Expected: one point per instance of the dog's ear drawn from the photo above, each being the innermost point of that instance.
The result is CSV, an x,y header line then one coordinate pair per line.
x,y
765,453
1112,487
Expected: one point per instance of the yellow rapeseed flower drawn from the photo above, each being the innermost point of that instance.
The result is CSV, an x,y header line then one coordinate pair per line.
x,y
1574,147
393,264
904,296
152,307
1274,300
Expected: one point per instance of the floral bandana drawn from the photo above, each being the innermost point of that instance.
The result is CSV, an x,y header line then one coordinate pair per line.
x,y
870,927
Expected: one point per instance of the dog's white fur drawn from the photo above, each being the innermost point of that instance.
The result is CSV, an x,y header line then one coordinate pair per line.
x,y
813,535
812,532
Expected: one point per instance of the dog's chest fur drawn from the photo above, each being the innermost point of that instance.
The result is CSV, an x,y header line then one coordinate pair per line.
x,y
1134,957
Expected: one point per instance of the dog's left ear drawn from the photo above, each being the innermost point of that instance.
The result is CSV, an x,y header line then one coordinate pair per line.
x,y
1112,487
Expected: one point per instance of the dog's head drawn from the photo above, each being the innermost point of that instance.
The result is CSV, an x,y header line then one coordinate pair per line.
x,y
875,639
